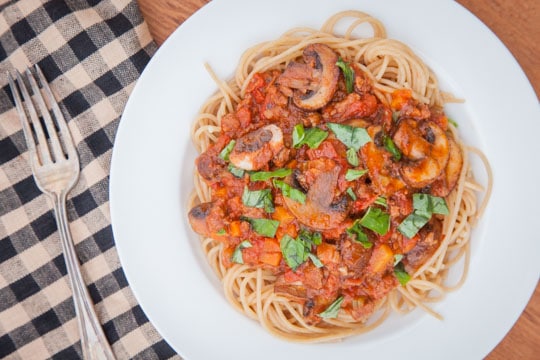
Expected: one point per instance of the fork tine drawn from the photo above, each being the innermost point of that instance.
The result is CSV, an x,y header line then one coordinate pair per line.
x,y
30,143
41,146
58,153
69,146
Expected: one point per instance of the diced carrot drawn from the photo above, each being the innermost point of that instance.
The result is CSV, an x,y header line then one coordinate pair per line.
x,y
271,245
234,228
289,229
219,192
271,258
400,97
381,257
226,256
327,253
282,215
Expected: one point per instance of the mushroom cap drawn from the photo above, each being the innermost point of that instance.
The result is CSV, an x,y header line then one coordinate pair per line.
x,y
314,82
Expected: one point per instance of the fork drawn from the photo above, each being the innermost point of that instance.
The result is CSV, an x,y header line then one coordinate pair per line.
x,y
55,165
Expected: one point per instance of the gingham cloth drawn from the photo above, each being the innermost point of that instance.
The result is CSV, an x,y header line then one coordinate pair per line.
x,y
92,53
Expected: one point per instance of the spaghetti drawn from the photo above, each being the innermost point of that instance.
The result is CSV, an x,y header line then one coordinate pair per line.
x,y
331,188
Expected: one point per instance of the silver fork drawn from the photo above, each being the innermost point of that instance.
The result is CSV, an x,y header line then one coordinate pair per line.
x,y
55,165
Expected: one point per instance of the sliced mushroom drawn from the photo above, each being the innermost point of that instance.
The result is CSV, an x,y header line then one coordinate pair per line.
x,y
254,150
320,211
425,145
450,176
314,82
206,219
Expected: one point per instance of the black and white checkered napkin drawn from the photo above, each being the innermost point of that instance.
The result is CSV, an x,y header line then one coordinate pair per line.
x,y
92,53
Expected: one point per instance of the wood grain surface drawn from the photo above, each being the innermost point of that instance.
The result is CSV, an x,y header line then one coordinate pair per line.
x,y
517,24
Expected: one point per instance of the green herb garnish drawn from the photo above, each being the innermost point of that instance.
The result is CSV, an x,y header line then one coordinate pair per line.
x,y
224,154
358,234
263,227
352,157
352,137
424,206
297,251
265,175
400,273
237,254
377,220
348,74
351,193
381,200
332,310
391,147
353,174
289,191
258,199
239,173
312,137
294,251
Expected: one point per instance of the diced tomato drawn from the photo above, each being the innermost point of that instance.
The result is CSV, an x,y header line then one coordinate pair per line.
x,y
326,149
328,254
400,97
290,276
244,116
381,258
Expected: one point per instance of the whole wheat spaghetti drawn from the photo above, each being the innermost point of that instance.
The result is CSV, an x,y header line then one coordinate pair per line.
x,y
331,189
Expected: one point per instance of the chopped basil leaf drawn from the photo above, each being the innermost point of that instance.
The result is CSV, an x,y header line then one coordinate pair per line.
x,y
332,310
289,191
424,206
353,174
381,200
258,199
294,251
351,193
298,135
221,232
359,235
315,260
430,203
263,227
402,276
239,173
352,157
377,220
297,251
224,154
310,238
413,223
453,122
265,175
312,137
348,74
316,237
391,147
237,254
352,137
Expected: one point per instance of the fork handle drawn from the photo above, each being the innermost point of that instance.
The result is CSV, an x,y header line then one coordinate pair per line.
x,y
93,341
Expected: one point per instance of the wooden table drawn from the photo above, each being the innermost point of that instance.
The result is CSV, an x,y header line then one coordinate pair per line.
x,y
517,24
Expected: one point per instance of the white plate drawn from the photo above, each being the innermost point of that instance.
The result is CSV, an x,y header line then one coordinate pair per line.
x,y
152,166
